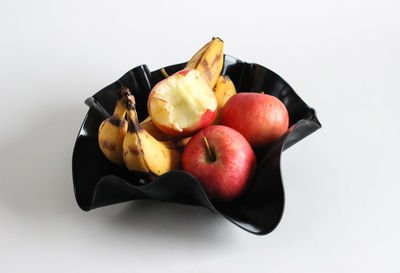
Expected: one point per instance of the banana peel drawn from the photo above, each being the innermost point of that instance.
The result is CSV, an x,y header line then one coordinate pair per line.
x,y
223,91
112,131
209,61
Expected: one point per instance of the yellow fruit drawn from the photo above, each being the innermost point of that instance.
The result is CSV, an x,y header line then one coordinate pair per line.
x,y
223,90
209,61
112,131
142,152
180,143
149,126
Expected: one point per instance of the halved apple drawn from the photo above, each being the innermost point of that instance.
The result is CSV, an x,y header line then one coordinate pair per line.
x,y
182,104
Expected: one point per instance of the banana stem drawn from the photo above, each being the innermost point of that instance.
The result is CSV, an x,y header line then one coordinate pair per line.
x,y
120,109
130,106
124,92
165,74
211,155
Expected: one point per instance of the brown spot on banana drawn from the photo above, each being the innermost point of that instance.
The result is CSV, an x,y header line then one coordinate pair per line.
x,y
205,64
123,123
133,129
114,121
216,60
207,69
108,145
134,150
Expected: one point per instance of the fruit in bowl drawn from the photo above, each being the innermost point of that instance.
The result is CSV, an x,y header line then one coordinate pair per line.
x,y
222,161
112,131
182,104
144,153
182,131
262,118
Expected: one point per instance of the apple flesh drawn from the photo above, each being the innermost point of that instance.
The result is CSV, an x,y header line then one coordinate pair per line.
x,y
260,118
227,171
182,104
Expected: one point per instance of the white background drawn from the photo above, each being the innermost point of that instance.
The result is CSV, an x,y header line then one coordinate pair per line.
x,y
342,184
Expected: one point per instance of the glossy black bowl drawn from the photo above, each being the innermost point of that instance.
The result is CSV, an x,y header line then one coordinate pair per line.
x,y
98,182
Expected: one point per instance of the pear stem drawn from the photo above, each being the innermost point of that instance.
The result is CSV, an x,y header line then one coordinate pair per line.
x,y
211,155
164,72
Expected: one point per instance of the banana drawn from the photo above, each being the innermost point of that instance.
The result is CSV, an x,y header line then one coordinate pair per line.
x,y
112,131
142,152
209,61
223,90
180,143
152,129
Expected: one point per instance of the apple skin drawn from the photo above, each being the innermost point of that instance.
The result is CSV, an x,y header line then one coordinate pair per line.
x,y
183,72
230,174
262,118
206,119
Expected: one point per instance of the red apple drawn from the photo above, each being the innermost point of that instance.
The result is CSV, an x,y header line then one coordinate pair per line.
x,y
182,104
260,118
226,168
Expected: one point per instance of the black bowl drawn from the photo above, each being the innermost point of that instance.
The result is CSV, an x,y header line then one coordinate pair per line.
x,y
98,182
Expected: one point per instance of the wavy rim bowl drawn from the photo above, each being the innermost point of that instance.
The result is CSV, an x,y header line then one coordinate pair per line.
x,y
98,182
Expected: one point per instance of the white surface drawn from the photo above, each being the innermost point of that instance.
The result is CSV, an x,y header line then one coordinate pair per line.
x,y
342,183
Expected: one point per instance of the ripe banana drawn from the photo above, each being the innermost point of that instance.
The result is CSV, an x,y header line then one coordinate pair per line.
x,y
209,61
180,143
223,90
142,152
152,129
112,131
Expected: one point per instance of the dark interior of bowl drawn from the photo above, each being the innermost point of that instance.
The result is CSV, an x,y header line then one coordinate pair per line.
x,y
98,182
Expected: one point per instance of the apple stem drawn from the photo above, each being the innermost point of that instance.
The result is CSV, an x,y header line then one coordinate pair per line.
x,y
164,72
262,92
211,155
